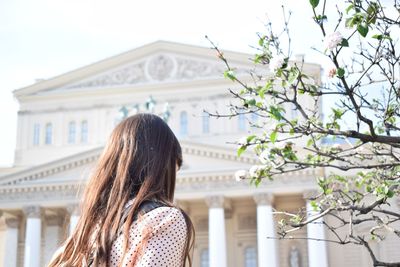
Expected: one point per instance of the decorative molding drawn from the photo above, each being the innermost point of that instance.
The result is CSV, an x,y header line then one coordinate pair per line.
x,y
12,222
39,172
65,192
215,201
161,67
263,199
69,192
131,74
32,211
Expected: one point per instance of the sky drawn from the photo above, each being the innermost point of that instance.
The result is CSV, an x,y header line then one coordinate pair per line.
x,y
44,38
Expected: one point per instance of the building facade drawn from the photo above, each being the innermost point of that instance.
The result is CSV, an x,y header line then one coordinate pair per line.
x,y
64,122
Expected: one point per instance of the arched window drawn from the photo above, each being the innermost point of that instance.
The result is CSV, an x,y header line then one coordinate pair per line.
x,y
71,132
184,124
241,122
49,134
84,132
206,123
36,134
250,257
204,258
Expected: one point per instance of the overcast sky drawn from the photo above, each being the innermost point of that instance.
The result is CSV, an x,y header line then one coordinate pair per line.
x,y
44,38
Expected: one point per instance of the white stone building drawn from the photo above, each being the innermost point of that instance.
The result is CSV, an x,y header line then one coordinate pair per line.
x,y
63,123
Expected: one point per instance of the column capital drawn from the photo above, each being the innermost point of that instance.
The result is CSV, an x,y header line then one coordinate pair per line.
x,y
12,222
215,201
32,211
263,198
73,209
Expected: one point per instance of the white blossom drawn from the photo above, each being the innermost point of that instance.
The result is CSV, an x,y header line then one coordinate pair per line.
x,y
255,170
264,156
333,40
240,175
276,63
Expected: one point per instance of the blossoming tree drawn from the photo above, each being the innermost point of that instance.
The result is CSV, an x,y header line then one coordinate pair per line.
x,y
361,177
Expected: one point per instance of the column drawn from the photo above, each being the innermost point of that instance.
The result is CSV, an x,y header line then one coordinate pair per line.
x,y
216,231
73,210
11,242
32,236
317,251
266,233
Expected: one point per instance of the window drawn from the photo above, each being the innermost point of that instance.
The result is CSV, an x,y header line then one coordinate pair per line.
x,y
36,134
254,118
184,124
49,134
71,132
242,122
250,257
206,123
204,258
84,132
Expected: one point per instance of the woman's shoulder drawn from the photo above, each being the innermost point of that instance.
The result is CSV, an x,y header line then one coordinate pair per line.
x,y
164,217
163,212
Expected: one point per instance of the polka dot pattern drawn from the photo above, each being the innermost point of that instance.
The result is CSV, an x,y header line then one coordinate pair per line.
x,y
156,239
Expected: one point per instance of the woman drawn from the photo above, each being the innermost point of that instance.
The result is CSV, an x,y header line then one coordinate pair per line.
x,y
127,215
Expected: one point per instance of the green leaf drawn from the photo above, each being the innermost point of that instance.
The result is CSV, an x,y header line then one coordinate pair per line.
x,y
390,194
310,142
293,75
250,138
257,181
340,72
314,3
241,150
273,136
350,7
362,29
251,102
229,74
344,43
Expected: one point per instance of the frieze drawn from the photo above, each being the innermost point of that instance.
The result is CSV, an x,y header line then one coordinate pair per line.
x,y
203,183
131,74
159,68
41,172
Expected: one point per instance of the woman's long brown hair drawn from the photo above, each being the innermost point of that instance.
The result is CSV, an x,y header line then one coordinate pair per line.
x,y
139,161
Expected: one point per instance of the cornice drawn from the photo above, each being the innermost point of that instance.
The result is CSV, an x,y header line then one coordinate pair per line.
x,y
50,168
205,183
91,156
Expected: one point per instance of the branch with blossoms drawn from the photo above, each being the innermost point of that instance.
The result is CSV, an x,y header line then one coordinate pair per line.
x,y
357,142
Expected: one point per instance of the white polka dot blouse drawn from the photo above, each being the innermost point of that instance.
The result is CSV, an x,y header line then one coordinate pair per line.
x,y
156,239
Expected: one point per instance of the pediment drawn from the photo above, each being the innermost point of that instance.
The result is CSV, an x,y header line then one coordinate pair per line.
x,y
156,63
198,159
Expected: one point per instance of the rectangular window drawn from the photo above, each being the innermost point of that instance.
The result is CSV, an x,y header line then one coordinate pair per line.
x,y
84,132
49,134
71,132
36,134
206,123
